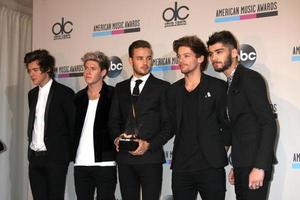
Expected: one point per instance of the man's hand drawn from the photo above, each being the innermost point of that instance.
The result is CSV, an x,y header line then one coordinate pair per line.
x,y
142,148
116,142
231,176
256,178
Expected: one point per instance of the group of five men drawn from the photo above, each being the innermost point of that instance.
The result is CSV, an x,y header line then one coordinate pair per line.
x,y
206,115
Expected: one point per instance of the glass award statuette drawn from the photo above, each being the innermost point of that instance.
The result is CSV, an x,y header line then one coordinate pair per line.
x,y
127,141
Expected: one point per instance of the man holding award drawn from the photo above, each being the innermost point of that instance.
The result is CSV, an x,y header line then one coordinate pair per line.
x,y
140,127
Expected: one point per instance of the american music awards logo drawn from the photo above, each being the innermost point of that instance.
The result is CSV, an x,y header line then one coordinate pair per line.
x,y
296,54
296,161
116,28
246,12
165,64
175,15
69,71
62,29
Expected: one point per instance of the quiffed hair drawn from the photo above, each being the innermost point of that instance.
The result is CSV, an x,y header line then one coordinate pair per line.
x,y
44,59
138,44
224,37
98,57
196,45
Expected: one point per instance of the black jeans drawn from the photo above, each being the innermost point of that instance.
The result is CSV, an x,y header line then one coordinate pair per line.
x,y
210,183
134,177
89,178
47,179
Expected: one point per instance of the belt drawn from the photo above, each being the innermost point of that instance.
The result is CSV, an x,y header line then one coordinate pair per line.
x,y
39,153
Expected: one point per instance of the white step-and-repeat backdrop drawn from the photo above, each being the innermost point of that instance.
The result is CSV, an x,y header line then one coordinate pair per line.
x,y
267,29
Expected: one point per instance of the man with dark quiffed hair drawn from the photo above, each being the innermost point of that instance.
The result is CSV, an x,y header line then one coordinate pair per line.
x,y
250,118
196,109
50,128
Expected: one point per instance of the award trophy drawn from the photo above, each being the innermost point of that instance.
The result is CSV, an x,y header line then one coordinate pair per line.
x,y
127,139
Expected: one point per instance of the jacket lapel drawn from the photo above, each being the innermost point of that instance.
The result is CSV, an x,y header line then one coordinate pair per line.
x,y
203,93
103,95
32,111
49,99
127,93
233,91
146,89
179,101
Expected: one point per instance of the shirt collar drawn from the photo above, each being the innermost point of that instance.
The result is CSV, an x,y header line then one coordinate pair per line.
x,y
143,78
47,86
232,73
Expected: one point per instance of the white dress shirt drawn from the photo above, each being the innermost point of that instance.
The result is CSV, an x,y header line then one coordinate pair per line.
x,y
37,143
141,86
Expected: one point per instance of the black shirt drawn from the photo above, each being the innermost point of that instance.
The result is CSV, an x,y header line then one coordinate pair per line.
x,y
189,154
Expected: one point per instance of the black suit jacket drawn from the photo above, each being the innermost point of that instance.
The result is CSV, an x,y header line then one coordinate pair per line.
x,y
59,121
252,121
152,119
103,146
211,113
1,146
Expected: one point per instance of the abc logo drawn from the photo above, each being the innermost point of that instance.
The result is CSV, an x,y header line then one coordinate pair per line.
x,y
175,13
247,55
115,68
63,27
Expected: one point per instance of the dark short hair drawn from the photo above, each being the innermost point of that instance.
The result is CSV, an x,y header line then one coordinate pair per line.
x,y
138,44
196,45
44,59
224,37
98,57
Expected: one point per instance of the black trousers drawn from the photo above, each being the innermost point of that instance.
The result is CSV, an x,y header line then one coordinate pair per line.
x,y
89,178
134,177
47,179
209,183
241,185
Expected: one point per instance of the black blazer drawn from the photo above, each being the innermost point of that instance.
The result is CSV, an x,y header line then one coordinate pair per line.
x,y
1,146
252,121
103,146
151,115
211,113
59,121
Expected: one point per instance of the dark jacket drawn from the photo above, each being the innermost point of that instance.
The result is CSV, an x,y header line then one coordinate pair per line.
x,y
103,146
211,113
59,121
252,121
152,119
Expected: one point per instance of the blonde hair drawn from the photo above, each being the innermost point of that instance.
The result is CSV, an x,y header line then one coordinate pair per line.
x,y
98,57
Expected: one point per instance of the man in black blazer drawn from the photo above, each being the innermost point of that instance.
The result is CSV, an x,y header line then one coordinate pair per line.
x,y
50,128
196,108
141,167
94,151
250,117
